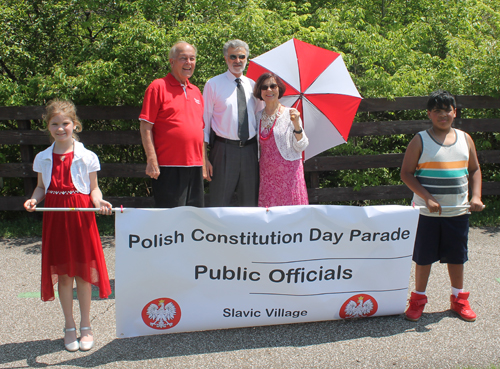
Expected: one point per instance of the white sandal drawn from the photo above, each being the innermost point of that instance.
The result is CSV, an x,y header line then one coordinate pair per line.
x,y
86,345
72,346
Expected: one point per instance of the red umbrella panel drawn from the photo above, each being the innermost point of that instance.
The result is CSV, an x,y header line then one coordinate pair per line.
x,y
318,84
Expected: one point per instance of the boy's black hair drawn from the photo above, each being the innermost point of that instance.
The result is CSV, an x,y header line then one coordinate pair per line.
x,y
440,99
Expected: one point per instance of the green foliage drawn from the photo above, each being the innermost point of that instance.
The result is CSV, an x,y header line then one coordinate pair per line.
x,y
106,52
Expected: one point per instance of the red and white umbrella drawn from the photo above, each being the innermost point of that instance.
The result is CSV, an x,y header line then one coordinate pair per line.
x,y
318,84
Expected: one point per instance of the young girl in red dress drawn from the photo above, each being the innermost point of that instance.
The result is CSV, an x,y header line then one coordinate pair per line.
x,y
71,246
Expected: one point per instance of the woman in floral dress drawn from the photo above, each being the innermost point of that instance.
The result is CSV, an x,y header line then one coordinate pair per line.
x,y
281,143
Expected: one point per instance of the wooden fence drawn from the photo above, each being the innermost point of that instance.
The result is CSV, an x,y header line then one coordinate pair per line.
x,y
26,138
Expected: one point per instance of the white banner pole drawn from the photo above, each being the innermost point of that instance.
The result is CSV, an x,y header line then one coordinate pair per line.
x,y
121,209
446,206
115,210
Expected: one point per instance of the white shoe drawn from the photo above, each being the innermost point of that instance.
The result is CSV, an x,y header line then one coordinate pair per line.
x,y
72,346
86,345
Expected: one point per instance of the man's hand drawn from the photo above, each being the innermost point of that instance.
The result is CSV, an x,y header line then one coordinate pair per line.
x,y
207,170
153,170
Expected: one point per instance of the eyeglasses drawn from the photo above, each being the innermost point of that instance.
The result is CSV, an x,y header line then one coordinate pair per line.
x,y
234,57
265,87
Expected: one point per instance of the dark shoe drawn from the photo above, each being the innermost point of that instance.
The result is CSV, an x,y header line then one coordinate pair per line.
x,y
417,304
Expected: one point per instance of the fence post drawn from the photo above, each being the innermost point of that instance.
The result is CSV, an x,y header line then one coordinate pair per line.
x,y
314,177
27,158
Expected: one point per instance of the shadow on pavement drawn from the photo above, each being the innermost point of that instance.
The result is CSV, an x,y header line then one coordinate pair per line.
x,y
29,351
491,231
195,343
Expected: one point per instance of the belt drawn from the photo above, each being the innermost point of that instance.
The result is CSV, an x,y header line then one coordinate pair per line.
x,y
236,142
70,192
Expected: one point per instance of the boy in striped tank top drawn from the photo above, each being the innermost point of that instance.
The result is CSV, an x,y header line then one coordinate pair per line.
x,y
439,166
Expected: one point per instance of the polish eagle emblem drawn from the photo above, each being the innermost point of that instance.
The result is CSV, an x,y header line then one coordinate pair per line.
x,y
161,314
358,306
360,309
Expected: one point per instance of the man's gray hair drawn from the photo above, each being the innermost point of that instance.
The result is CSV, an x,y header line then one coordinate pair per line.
x,y
174,51
235,44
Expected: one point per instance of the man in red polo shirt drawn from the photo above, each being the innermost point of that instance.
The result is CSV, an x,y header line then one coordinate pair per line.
x,y
172,133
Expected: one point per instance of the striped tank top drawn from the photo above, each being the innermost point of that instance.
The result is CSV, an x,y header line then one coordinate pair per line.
x,y
442,170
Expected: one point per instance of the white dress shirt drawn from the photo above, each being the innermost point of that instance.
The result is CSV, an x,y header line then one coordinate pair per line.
x,y
221,106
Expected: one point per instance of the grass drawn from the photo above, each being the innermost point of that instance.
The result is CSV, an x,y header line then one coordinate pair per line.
x,y
17,224
490,216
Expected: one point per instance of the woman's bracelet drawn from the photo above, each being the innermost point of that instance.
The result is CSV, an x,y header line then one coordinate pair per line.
x,y
298,132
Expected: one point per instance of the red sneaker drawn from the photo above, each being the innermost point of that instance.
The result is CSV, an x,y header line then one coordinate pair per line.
x,y
461,306
417,304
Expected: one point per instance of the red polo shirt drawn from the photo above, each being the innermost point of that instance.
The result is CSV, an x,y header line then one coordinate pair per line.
x,y
177,116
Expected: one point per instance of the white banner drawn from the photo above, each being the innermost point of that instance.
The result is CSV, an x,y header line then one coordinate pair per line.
x,y
189,269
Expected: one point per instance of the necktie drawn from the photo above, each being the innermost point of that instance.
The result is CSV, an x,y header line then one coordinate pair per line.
x,y
242,112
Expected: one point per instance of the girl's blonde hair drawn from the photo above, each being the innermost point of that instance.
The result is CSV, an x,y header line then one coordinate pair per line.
x,y
65,107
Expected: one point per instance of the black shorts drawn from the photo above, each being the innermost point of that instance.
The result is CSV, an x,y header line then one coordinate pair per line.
x,y
442,239
179,186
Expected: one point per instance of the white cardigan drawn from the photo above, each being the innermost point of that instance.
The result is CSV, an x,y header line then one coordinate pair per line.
x,y
288,146
84,162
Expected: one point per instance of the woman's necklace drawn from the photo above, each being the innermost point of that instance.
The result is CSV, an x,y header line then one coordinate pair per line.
x,y
267,123
267,119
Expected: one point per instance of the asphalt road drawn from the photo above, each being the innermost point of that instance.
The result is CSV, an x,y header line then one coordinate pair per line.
x,y
31,330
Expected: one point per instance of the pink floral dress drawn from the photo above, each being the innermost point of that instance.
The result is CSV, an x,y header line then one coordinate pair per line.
x,y
281,181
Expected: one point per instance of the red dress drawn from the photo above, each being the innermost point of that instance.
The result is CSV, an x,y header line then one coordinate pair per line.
x,y
70,240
